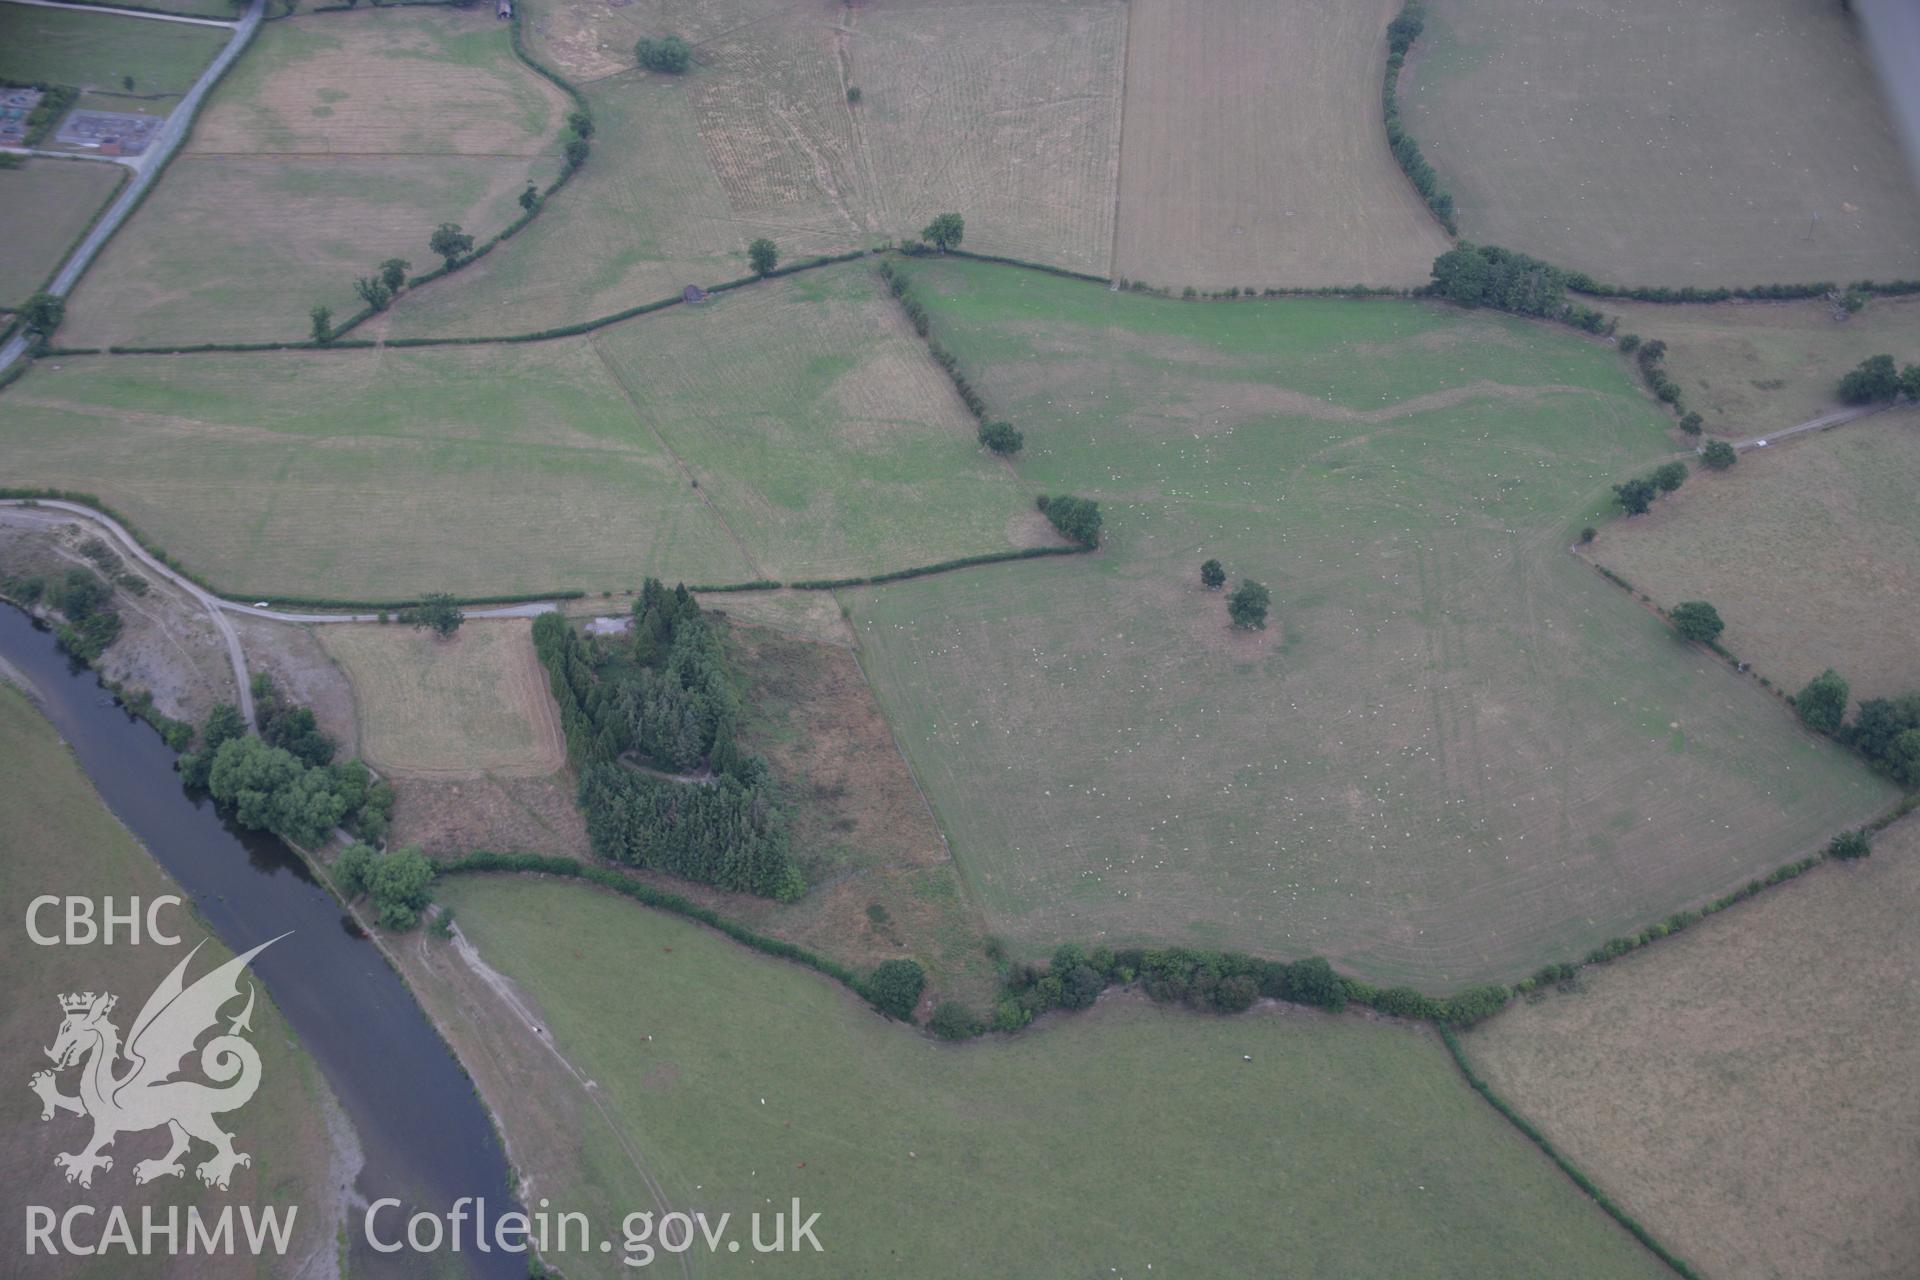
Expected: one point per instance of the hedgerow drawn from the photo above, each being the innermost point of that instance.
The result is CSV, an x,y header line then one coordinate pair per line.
x,y
1401,33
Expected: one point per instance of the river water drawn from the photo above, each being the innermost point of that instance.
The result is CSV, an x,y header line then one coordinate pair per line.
x,y
425,1137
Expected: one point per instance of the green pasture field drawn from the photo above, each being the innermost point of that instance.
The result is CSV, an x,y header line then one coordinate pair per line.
x,y
1724,142
1454,753
1131,1135
338,141
94,50
487,470
44,206
1809,548
58,837
813,419
1753,1110
823,441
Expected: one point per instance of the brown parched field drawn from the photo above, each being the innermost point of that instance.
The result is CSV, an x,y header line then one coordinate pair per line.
x,y
1722,142
474,703
1810,550
339,140
1744,1089
1254,151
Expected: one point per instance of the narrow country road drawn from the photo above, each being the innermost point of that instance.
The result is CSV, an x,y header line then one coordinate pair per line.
x,y
129,13
1833,419
130,547
217,608
146,167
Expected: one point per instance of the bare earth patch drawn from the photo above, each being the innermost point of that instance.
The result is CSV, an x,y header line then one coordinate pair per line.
x,y
1744,1089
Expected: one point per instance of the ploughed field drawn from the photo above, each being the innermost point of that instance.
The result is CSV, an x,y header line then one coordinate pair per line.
x,y
1455,752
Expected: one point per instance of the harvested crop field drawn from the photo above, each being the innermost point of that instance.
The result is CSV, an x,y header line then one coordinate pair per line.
x,y
1810,550
474,703
45,206
338,141
1725,142
1454,754
1255,154
1755,1108
95,50
1010,114
1755,368
1015,1139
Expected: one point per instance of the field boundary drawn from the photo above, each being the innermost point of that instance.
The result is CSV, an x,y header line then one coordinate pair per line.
x,y
1566,1166
125,176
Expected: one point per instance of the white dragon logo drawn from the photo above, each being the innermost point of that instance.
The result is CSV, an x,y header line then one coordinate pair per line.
x,y
146,1095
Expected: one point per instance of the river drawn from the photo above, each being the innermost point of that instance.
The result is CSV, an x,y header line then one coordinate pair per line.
x,y
425,1137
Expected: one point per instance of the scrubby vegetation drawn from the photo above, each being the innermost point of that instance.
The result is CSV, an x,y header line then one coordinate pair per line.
x,y
669,54
284,781
1875,380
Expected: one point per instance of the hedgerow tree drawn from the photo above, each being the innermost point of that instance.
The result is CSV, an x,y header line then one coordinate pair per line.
x,y
952,1020
1872,380
1001,437
437,613
530,198
1698,621
1313,981
1635,495
894,988
576,151
1075,518
1719,455
1691,423
763,256
945,231
322,322
42,313
1212,576
393,273
1822,704
1489,276
1247,606
373,291
669,54
1669,476
450,243
581,123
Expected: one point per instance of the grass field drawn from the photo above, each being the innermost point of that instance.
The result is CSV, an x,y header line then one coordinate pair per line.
x,y
95,50
373,474
58,837
1753,1110
1809,548
809,413
1755,368
1655,145
338,141
1455,753
44,206
474,703
1255,153
1130,1136
821,437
